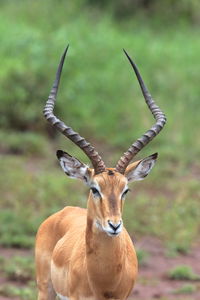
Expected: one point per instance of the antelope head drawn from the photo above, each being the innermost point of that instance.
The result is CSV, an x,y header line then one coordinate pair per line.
x,y
108,186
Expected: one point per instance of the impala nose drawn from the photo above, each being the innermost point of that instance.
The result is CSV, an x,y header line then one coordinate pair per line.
x,y
114,226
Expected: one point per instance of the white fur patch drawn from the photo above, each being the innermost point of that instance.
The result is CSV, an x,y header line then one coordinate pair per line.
x,y
62,297
95,185
70,168
73,170
142,169
98,225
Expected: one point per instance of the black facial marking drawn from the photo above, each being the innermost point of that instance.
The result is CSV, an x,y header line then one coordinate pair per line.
x,y
95,192
110,172
59,153
124,193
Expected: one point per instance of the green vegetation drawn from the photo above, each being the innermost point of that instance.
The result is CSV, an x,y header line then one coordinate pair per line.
x,y
170,10
186,289
142,257
92,87
26,143
25,293
36,188
183,272
100,97
32,192
19,269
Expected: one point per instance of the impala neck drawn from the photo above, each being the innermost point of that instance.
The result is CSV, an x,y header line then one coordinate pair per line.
x,y
97,241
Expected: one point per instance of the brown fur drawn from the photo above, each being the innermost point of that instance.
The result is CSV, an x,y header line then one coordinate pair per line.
x,y
79,261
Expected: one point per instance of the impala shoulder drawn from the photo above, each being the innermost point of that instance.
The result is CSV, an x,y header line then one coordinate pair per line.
x,y
67,210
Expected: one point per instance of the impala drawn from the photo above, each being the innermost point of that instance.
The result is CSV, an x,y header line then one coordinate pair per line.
x,y
87,253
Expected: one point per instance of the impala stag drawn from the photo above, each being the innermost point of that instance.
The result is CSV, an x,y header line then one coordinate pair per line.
x,y
87,253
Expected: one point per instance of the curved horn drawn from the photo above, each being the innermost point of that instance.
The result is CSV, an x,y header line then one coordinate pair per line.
x,y
95,158
151,133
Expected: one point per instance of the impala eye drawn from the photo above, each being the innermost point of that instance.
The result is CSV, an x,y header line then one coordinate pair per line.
x,y
124,193
95,192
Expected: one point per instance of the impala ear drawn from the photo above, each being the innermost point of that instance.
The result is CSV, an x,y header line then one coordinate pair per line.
x,y
73,167
140,169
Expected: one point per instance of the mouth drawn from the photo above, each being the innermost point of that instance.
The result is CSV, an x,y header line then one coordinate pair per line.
x,y
112,233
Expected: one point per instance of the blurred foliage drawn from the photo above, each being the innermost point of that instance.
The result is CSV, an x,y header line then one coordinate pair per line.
x,y
22,293
187,288
35,188
19,268
96,96
142,257
183,272
171,9
19,271
23,143
99,96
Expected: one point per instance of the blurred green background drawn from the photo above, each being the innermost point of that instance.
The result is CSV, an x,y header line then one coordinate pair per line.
x,y
100,97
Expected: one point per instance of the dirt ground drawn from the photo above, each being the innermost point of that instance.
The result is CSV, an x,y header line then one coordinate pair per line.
x,y
152,281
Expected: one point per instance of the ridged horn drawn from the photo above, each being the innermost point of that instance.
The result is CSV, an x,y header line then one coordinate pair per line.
x,y
89,150
148,135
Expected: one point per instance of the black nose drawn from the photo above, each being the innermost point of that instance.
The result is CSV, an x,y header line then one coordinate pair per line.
x,y
113,225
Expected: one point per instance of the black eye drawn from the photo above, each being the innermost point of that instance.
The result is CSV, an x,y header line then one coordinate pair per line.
x,y
125,192
95,192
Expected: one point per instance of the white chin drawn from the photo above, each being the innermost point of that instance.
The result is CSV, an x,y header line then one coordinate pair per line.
x,y
113,233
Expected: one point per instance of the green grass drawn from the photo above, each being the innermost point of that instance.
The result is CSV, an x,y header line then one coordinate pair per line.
x,y
35,188
31,196
100,97
19,272
24,293
98,83
142,257
186,289
183,272
19,268
28,143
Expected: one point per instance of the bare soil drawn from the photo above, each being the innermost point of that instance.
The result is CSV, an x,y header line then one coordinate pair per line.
x,y
152,282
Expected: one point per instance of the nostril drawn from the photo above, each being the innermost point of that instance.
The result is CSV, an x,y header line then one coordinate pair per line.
x,y
113,225
110,224
118,225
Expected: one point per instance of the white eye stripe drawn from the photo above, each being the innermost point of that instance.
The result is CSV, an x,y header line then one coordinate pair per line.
x,y
95,186
96,191
125,191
